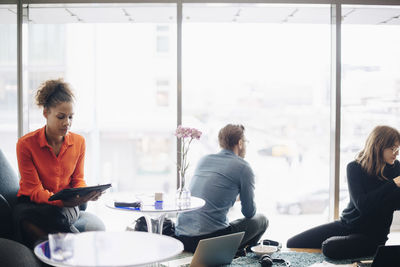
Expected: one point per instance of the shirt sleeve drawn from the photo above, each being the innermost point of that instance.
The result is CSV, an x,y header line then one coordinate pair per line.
x,y
77,178
366,201
30,184
393,199
247,192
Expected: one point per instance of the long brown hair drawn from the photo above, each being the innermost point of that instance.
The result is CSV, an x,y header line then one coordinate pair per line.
x,y
371,157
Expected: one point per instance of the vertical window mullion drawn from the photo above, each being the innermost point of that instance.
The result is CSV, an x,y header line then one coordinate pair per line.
x,y
335,112
179,80
22,91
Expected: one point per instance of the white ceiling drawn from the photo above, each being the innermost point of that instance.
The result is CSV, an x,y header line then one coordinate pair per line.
x,y
166,13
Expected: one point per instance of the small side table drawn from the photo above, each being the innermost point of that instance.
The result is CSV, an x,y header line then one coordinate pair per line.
x,y
101,249
158,211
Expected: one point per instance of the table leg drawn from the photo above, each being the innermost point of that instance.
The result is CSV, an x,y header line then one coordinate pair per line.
x,y
159,223
149,224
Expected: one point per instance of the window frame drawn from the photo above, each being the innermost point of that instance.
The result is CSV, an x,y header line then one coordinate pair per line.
x,y
335,107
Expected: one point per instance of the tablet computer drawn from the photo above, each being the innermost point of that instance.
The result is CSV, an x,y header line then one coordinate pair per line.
x,y
81,191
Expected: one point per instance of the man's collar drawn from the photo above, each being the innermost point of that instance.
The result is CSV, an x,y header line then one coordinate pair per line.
x,y
227,151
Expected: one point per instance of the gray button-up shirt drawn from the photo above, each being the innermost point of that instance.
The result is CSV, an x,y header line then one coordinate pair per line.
x,y
218,179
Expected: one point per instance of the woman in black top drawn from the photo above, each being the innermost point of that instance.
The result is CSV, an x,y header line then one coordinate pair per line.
x,y
373,181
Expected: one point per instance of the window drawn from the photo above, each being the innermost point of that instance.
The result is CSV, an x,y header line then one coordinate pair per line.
x,y
162,94
8,82
125,115
162,44
163,38
370,76
266,67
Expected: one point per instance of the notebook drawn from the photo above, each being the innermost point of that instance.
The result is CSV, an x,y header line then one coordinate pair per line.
x,y
386,256
213,251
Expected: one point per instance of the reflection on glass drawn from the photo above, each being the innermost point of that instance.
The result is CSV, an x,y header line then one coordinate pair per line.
x,y
371,78
8,82
266,67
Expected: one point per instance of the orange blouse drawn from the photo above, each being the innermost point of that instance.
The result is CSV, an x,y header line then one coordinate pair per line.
x,y
42,172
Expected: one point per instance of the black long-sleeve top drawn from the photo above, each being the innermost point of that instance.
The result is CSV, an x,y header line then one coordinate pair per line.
x,y
372,200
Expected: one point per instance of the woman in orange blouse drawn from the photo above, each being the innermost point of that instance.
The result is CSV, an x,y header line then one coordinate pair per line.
x,y
51,159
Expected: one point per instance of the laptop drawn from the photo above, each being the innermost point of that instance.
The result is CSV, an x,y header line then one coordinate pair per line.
x,y
386,256
213,251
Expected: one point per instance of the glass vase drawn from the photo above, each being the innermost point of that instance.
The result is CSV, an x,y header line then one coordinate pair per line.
x,y
182,198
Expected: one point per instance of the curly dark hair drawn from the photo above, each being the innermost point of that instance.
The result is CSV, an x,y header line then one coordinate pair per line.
x,y
52,92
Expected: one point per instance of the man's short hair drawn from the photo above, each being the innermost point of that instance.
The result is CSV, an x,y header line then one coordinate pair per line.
x,y
230,135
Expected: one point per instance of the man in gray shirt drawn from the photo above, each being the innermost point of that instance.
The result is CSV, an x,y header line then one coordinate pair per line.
x,y
219,179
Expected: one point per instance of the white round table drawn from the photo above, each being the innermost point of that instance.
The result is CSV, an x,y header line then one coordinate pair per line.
x,y
158,211
103,249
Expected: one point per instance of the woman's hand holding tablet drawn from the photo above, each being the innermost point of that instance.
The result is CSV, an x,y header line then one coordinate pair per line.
x,y
77,200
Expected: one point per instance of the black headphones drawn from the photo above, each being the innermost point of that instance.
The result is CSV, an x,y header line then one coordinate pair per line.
x,y
267,261
274,243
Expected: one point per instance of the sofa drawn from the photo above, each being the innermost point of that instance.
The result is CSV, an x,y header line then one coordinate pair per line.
x,y
13,253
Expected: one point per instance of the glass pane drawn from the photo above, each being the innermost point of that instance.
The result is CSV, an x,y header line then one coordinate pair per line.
x,y
121,63
371,78
8,82
268,68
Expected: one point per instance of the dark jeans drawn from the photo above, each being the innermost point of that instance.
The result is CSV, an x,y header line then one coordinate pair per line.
x,y
48,218
337,241
253,227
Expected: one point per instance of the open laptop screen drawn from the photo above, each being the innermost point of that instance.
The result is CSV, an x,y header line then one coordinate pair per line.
x,y
216,250
386,256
